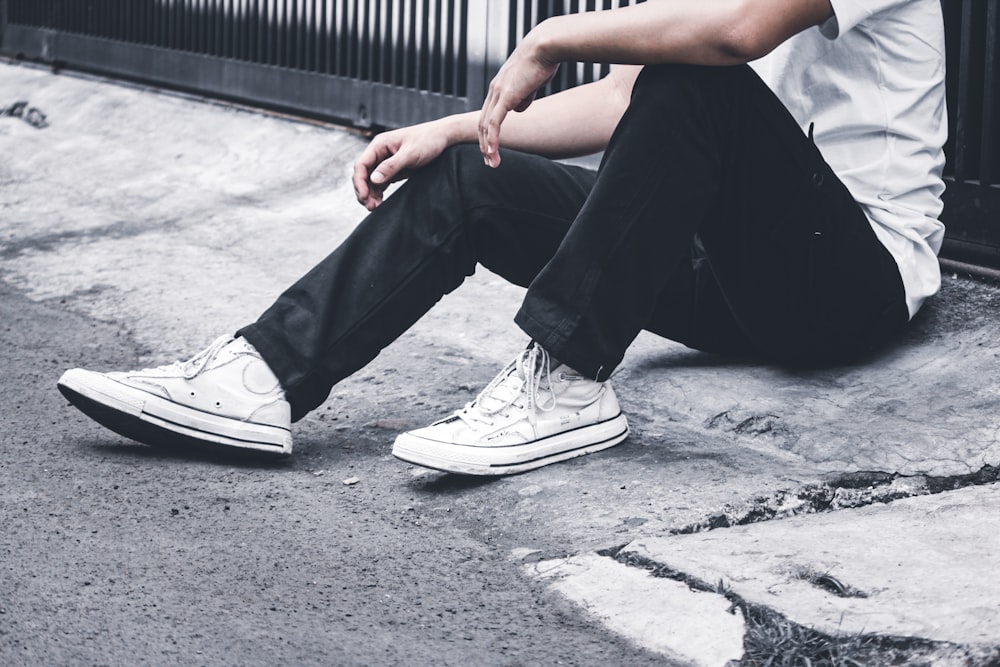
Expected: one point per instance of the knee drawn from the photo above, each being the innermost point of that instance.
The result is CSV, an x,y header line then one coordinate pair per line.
x,y
452,166
458,177
671,81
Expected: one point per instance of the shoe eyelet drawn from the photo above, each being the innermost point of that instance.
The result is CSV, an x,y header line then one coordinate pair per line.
x,y
192,394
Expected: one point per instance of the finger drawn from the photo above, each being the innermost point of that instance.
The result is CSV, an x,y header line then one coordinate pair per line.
x,y
360,181
388,170
374,200
375,153
483,116
493,122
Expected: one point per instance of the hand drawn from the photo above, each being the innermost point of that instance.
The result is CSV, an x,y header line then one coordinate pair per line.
x,y
391,156
513,89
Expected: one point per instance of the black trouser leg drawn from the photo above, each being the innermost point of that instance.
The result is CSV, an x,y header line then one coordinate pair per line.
x,y
418,245
708,157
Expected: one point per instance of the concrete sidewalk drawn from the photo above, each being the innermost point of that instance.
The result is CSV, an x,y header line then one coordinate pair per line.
x,y
859,499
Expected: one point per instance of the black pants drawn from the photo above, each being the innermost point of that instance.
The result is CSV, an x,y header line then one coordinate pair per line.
x,y
713,220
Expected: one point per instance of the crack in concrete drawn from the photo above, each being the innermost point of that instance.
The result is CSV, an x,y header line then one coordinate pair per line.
x,y
845,491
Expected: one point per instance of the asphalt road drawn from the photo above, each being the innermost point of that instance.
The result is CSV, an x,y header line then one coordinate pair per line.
x,y
115,553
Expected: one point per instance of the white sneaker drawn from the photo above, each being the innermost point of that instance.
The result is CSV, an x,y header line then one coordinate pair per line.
x,y
225,395
529,416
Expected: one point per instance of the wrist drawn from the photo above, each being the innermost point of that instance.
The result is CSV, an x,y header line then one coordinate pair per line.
x,y
459,128
545,43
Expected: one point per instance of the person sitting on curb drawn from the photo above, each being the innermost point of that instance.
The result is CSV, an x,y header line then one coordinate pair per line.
x,y
770,185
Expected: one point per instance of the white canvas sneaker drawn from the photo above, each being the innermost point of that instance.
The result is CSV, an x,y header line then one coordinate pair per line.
x,y
225,395
529,416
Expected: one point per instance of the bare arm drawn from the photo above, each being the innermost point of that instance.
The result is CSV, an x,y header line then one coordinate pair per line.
x,y
573,122
722,32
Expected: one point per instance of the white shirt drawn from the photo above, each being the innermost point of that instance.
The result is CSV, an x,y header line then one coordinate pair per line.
x,y
871,79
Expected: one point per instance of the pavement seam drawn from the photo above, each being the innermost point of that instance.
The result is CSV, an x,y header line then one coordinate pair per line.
x,y
846,491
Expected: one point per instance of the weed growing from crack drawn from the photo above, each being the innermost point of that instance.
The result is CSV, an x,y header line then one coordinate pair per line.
x,y
771,640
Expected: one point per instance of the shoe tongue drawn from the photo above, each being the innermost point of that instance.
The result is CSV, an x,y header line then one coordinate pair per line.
x,y
504,392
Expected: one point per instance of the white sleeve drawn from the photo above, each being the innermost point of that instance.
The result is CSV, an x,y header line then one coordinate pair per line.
x,y
849,13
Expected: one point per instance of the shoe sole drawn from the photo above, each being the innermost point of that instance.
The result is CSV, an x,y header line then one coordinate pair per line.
x,y
159,422
510,459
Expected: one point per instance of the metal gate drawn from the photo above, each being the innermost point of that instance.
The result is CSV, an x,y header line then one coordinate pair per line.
x,y
972,199
368,62
381,62
395,62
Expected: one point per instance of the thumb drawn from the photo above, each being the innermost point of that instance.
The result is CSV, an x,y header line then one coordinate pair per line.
x,y
389,169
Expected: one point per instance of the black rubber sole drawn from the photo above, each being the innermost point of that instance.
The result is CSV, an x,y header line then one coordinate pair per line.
x,y
135,428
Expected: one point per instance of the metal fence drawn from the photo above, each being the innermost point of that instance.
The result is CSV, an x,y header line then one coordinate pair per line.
x,y
972,200
366,62
395,62
382,62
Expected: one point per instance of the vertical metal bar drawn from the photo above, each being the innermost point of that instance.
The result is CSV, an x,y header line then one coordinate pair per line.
x,y
200,25
288,35
462,50
227,23
409,45
288,44
218,27
138,28
326,35
449,59
298,7
371,33
203,29
440,42
384,45
433,45
361,35
187,32
342,33
221,28
258,24
246,24
424,38
965,49
393,42
158,23
168,25
319,30
270,22
988,157
301,23
195,25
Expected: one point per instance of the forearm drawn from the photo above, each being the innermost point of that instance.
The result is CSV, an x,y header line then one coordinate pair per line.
x,y
721,32
573,122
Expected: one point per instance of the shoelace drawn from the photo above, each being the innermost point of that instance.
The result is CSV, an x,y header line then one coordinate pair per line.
x,y
191,368
529,374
